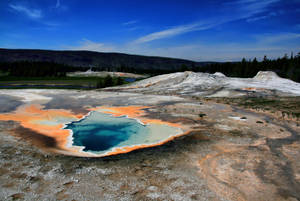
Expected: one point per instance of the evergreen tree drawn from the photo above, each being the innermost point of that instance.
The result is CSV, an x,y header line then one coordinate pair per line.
x,y
100,83
108,81
120,81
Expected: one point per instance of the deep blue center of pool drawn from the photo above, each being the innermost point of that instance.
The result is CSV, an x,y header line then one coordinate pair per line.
x,y
101,132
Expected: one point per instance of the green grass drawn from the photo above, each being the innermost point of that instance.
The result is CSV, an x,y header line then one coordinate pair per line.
x,y
3,73
11,82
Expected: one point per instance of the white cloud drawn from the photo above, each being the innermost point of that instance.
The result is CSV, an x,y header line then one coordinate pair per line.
x,y
31,13
129,23
272,45
271,14
57,4
246,9
277,38
257,18
174,31
134,28
253,6
254,19
92,46
220,52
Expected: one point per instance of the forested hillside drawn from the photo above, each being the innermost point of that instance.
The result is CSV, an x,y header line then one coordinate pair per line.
x,y
287,67
98,60
57,63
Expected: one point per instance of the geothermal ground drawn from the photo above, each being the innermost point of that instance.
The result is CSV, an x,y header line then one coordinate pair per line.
x,y
242,148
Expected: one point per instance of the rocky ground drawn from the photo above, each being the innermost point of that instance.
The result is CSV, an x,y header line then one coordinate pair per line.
x,y
233,152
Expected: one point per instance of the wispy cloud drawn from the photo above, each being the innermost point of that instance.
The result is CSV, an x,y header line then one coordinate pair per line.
x,y
86,44
134,28
29,12
272,45
174,31
247,9
273,39
37,15
254,19
130,22
57,4
253,6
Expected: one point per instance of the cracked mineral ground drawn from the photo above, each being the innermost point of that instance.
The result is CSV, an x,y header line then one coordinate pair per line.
x,y
241,148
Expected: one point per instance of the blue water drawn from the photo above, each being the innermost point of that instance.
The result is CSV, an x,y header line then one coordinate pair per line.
x,y
130,79
99,132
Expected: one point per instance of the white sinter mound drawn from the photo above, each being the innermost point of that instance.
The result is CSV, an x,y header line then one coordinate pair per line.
x,y
205,84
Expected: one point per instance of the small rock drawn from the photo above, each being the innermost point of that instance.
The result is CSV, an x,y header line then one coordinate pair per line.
x,y
152,188
17,196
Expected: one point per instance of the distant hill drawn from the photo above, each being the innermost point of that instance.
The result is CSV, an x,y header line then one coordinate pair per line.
x,y
102,61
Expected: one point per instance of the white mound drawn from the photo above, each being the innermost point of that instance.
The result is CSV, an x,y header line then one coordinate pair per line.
x,y
266,75
205,84
219,74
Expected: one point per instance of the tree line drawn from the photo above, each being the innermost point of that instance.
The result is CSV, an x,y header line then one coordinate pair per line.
x,y
287,67
37,69
109,81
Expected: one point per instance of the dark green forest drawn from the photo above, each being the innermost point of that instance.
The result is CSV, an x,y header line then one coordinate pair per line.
x,y
38,72
37,69
286,66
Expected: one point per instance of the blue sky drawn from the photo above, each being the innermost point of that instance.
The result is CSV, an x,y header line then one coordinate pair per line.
x,y
211,30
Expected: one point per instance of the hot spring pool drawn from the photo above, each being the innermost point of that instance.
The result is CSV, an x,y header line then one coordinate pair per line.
x,y
101,133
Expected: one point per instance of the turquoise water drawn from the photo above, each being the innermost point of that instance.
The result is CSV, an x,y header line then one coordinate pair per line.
x,y
99,132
